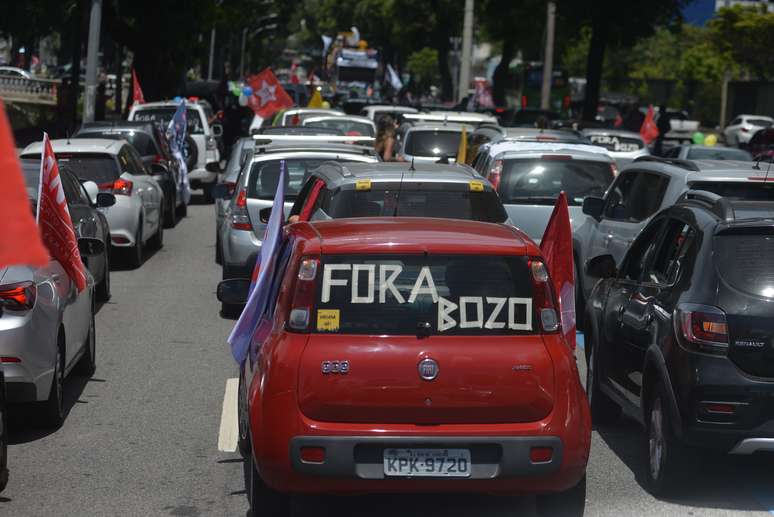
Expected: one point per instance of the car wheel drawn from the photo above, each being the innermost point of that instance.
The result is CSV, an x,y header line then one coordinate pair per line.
x,y
229,310
190,152
245,447
570,503
182,211
157,241
52,410
170,217
3,436
264,501
207,189
218,251
103,288
665,453
87,365
603,409
135,252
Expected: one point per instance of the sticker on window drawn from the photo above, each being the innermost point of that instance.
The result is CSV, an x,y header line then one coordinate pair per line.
x,y
328,320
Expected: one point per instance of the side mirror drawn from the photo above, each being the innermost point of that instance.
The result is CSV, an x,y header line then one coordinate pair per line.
x,y
89,247
158,168
264,214
92,190
593,206
234,291
105,199
212,167
217,130
601,267
220,191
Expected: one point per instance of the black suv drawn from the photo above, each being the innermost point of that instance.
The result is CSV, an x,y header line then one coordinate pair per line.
x,y
682,337
151,144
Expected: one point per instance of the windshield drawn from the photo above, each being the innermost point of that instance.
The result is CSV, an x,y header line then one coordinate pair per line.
x,y
746,261
535,181
264,177
451,201
470,295
99,168
345,126
718,153
142,142
761,122
432,143
164,115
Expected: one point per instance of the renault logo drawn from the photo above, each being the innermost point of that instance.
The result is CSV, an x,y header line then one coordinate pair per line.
x,y
428,369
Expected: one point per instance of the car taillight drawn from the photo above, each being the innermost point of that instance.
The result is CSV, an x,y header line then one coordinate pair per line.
x,y
302,306
211,144
18,297
744,130
118,187
158,159
703,327
240,218
495,173
543,299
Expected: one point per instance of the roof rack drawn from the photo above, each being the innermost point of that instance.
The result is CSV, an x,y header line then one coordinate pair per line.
x,y
683,164
718,205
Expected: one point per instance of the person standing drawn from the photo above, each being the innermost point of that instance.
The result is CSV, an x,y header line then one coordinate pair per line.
x,y
385,138
664,127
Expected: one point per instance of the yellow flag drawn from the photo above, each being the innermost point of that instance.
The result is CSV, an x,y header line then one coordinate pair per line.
x,y
316,101
462,150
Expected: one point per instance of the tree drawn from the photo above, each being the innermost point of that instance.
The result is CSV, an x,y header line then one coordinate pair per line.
x,y
747,35
423,67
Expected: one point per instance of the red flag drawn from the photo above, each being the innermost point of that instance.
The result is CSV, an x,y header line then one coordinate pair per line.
x,y
56,227
19,238
137,96
268,96
649,130
618,120
556,247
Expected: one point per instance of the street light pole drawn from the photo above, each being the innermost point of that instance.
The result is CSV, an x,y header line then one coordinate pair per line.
x,y
212,54
467,49
92,56
548,61
242,57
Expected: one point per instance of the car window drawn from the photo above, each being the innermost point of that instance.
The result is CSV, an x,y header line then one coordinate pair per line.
x,y
641,251
677,241
537,181
761,122
264,177
432,143
673,152
141,141
72,189
450,294
163,115
718,153
745,259
346,126
750,190
635,196
130,162
736,121
102,169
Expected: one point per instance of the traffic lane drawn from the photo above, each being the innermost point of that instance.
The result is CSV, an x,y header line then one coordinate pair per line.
x,y
141,436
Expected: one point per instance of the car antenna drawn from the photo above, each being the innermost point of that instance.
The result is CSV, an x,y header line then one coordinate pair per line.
x,y
411,167
400,187
771,158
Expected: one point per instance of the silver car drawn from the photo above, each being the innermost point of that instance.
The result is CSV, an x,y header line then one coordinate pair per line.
x,y
136,219
530,175
623,146
240,153
704,152
242,231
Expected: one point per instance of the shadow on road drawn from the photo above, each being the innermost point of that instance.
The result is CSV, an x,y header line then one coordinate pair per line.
x,y
710,479
21,418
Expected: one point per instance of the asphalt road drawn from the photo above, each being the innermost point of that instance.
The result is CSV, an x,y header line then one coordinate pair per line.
x,y
141,437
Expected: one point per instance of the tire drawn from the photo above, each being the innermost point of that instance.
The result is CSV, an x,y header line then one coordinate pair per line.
x,y
192,152
264,501
218,251
103,288
87,364
170,215
245,447
570,503
603,409
52,410
207,190
3,436
182,211
157,241
135,252
228,310
665,453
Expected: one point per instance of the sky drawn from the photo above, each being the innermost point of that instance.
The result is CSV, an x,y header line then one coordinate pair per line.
x,y
699,11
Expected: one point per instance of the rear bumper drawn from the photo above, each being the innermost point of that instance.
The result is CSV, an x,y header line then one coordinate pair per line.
x,y
361,457
240,249
123,219
201,176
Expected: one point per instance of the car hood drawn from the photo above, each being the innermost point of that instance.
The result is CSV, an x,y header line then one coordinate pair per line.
x,y
533,219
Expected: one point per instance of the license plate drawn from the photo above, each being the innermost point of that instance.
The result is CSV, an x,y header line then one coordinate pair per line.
x,y
427,463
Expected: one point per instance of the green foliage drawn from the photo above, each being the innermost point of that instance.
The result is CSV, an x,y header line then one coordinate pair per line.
x,y
747,35
423,67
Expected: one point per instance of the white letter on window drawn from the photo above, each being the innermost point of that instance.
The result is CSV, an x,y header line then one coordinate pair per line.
x,y
386,283
445,308
356,269
479,321
328,282
424,276
527,303
492,322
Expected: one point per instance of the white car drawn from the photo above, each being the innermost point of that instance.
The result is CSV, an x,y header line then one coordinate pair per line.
x,y
349,125
429,142
742,128
201,146
376,111
136,219
17,73
295,116
459,117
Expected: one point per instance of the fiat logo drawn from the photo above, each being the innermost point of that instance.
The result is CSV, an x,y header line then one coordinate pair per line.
x,y
428,369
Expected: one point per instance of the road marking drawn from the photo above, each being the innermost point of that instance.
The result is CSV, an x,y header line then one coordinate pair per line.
x,y
228,435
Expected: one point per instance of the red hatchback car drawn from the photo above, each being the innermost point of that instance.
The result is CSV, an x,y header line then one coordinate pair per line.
x,y
411,355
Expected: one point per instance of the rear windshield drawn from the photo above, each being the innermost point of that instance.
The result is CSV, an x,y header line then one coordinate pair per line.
x,y
99,168
451,201
761,122
31,170
264,177
164,115
346,127
617,144
753,191
746,261
449,295
432,143
535,181
719,153
142,142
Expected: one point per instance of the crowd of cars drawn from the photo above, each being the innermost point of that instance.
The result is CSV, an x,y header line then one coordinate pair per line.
x,y
414,341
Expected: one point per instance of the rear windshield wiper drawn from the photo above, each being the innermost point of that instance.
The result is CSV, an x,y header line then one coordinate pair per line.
x,y
533,199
